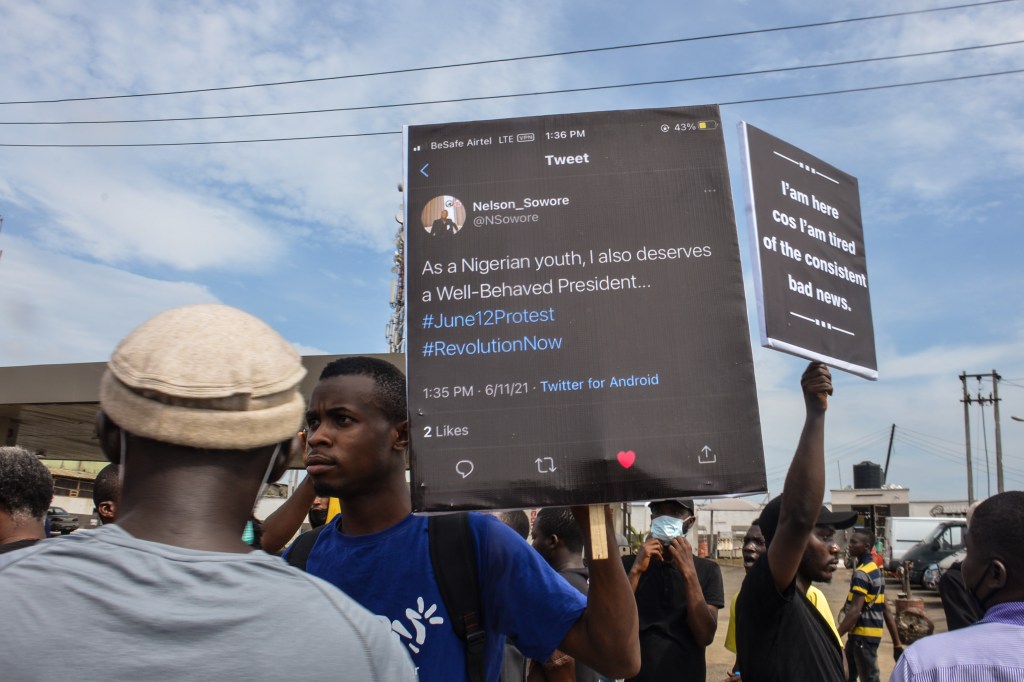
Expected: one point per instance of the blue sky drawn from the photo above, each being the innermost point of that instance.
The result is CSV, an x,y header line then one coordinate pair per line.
x,y
300,233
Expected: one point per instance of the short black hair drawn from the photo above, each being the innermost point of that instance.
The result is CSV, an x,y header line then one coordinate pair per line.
x,y
388,380
26,485
866,532
517,520
107,486
997,528
559,521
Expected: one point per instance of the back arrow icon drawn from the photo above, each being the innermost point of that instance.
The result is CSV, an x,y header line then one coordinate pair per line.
x,y
424,170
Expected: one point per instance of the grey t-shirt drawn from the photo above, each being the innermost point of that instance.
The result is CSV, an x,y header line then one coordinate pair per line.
x,y
102,604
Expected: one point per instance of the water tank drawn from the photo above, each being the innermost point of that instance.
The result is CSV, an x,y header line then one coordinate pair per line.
x,y
867,475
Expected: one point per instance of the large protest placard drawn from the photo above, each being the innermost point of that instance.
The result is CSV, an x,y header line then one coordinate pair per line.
x,y
810,271
577,331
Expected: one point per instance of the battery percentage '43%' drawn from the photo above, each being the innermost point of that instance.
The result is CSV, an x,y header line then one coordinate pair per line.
x,y
696,125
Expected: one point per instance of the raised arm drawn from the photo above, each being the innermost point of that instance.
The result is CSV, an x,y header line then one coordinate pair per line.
x,y
279,527
805,482
607,636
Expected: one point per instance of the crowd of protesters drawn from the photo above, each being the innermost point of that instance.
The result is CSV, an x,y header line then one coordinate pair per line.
x,y
200,409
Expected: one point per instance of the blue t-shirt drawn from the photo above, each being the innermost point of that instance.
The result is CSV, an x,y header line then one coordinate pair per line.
x,y
390,574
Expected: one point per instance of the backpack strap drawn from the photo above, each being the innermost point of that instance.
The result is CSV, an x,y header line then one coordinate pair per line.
x,y
453,556
298,553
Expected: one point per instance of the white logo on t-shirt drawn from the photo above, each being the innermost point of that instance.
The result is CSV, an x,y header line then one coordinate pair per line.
x,y
417,618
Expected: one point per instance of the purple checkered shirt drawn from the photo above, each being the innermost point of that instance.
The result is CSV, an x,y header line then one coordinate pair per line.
x,y
991,650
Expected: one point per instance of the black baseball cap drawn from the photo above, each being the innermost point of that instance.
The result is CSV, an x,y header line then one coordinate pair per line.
x,y
770,519
684,501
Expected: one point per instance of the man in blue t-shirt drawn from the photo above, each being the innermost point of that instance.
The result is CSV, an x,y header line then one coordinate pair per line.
x,y
379,553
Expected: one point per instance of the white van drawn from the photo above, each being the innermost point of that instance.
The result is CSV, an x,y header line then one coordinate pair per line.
x,y
903,532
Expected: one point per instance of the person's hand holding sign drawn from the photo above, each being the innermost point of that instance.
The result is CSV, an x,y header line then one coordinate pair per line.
x,y
817,385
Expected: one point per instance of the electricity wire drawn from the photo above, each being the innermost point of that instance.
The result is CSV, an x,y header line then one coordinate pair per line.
x,y
564,53
778,98
478,98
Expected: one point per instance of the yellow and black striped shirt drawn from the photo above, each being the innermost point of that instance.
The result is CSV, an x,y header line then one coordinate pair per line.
x,y
869,581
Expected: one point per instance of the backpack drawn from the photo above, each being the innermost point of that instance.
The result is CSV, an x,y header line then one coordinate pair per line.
x,y
453,557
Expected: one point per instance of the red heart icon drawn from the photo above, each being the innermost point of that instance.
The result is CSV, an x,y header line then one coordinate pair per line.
x,y
626,458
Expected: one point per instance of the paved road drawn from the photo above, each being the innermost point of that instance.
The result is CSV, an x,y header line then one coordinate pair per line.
x,y
720,660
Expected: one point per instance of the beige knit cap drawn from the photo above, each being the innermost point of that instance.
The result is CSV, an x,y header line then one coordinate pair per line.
x,y
205,376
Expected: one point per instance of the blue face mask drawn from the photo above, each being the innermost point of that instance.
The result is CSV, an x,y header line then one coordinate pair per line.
x,y
667,528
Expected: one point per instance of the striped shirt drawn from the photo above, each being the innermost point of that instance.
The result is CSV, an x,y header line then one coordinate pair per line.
x,y
869,582
990,651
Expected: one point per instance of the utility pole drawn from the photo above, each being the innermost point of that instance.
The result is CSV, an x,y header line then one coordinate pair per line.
x,y
999,435
967,434
394,331
888,455
992,399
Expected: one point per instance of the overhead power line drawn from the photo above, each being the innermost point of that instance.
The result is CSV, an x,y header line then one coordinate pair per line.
x,y
839,452
502,60
778,98
478,98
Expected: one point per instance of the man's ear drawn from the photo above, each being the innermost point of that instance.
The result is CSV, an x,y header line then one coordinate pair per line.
x,y
109,435
402,436
689,523
553,540
999,575
107,511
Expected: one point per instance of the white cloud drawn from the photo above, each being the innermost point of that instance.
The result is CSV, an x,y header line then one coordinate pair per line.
x,y
58,309
308,350
122,213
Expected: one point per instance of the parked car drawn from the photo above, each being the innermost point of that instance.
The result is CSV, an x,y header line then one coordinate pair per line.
x,y
903,532
61,521
935,571
947,538
931,575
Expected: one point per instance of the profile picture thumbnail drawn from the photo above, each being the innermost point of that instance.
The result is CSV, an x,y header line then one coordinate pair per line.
x,y
443,216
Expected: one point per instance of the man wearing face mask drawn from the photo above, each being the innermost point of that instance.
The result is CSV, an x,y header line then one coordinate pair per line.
x,y
677,597
993,571
199,406
318,511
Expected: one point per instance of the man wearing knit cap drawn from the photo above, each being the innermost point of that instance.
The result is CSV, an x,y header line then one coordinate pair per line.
x,y
199,407
780,635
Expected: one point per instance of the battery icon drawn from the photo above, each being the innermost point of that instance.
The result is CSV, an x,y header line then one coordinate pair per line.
x,y
524,137
707,125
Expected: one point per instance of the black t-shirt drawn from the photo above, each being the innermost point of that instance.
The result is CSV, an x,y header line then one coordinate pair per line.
x,y
667,648
18,544
782,636
960,606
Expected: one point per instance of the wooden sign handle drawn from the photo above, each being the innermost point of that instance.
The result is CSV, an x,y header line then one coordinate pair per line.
x,y
598,533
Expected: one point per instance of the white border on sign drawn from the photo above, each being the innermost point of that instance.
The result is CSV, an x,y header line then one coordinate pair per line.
x,y
755,238
405,255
